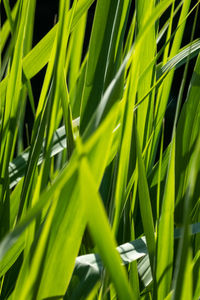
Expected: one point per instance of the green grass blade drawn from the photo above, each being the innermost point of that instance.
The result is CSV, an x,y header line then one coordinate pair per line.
x,y
8,130
164,261
144,112
145,204
100,231
97,59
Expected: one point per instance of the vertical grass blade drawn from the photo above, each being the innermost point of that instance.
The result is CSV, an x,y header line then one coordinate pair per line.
x,y
100,231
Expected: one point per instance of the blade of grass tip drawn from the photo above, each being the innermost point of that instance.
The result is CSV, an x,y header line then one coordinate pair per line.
x,y
100,229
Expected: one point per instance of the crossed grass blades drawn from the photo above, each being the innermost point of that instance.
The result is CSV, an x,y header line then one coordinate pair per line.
x,y
97,206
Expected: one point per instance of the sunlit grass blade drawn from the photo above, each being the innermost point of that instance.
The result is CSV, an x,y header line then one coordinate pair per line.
x,y
99,55
76,44
8,130
144,112
164,259
100,230
145,203
130,99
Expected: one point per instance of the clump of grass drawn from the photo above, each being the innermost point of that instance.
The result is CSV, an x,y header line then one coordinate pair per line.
x,y
96,207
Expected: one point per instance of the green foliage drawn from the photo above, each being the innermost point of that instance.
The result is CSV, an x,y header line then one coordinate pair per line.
x,y
97,206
